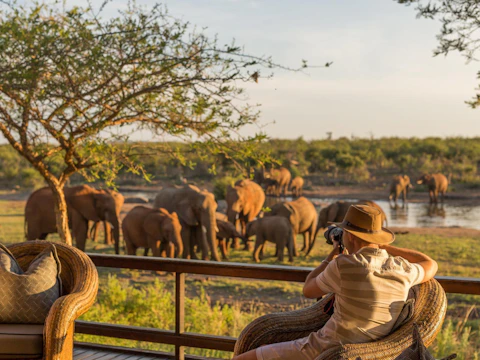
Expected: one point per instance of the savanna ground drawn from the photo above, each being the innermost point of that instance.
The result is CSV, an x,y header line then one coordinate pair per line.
x,y
223,306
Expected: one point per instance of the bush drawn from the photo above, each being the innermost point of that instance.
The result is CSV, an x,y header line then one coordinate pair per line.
x,y
295,172
456,339
221,184
30,178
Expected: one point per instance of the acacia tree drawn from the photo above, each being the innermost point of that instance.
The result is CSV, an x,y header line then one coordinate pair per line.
x,y
460,30
70,80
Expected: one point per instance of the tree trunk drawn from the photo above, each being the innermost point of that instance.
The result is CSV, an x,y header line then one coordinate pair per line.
x,y
61,214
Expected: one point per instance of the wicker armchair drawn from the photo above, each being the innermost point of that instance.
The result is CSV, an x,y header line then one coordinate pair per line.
x,y
429,313
80,284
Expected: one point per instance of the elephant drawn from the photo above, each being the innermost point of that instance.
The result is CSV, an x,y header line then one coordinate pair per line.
x,y
399,185
244,202
259,175
296,186
136,200
84,204
226,231
282,176
302,216
336,211
276,229
196,210
155,229
436,183
119,201
271,186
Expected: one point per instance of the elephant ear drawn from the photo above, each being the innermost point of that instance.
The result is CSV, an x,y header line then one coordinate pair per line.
x,y
222,228
246,203
294,217
251,228
186,213
154,224
322,217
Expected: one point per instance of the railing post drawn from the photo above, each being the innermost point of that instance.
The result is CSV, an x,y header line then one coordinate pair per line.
x,y
179,312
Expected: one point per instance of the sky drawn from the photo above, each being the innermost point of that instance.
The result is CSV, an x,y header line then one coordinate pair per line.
x,y
384,80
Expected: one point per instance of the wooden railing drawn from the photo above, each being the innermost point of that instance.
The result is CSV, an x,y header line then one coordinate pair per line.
x,y
179,338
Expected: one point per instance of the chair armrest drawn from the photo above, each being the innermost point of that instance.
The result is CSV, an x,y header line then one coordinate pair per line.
x,y
59,325
284,326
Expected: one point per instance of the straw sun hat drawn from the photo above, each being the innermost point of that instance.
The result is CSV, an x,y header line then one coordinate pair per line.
x,y
365,222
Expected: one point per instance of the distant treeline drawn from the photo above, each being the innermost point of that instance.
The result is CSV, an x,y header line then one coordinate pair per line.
x,y
342,160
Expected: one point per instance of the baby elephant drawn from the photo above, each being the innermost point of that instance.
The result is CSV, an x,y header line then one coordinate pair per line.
x,y
276,229
156,229
296,186
226,231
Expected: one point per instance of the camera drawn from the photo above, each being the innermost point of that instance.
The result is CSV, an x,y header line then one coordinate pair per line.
x,y
334,233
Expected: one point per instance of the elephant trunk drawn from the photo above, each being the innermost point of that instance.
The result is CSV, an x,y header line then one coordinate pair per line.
x,y
236,234
210,223
232,216
113,220
312,243
176,240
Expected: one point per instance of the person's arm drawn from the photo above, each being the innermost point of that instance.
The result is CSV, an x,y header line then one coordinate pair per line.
x,y
415,257
311,290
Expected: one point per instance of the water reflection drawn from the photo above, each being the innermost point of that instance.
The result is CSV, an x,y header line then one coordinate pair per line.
x,y
398,213
415,214
436,210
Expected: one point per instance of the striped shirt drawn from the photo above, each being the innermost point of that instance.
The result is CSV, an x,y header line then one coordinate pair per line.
x,y
370,289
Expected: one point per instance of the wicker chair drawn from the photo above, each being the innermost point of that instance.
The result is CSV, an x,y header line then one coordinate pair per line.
x,y
80,284
429,313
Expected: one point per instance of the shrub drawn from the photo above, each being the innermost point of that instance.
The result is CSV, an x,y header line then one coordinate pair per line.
x,y
30,178
456,339
220,186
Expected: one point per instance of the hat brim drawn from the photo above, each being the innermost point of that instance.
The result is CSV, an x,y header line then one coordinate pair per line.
x,y
382,237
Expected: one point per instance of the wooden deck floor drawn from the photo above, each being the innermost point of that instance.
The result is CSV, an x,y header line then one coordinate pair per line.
x,y
81,353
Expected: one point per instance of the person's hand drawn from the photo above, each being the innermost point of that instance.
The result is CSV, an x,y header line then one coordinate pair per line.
x,y
336,247
335,251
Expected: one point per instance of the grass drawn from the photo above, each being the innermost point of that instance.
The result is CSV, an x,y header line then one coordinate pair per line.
x,y
223,306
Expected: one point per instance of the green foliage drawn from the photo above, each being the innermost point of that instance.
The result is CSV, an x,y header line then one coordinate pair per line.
x,y
74,85
355,161
30,178
16,171
456,339
295,171
220,185
153,305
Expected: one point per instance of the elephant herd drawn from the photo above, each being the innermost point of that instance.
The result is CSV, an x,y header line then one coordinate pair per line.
x,y
184,220
437,184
